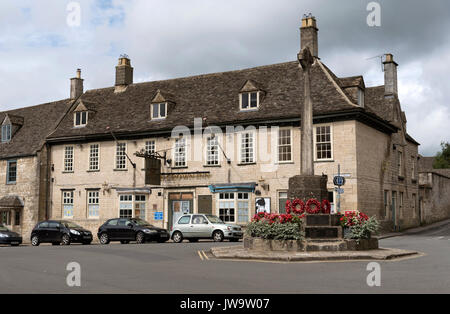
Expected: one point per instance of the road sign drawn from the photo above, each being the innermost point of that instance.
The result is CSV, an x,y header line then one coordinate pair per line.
x,y
339,180
340,191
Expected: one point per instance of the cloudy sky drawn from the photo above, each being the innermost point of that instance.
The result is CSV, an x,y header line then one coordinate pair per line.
x,y
40,50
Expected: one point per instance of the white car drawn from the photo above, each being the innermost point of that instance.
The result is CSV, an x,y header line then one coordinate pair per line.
x,y
198,226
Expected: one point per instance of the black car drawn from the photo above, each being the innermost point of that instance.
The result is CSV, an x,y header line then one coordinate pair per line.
x,y
9,237
59,232
133,229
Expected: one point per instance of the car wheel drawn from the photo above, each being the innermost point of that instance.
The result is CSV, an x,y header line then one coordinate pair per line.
x,y
218,236
140,238
193,240
177,237
35,241
124,242
65,240
104,239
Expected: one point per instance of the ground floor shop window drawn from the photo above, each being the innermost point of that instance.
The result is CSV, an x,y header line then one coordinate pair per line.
x,y
139,211
17,219
282,199
234,207
132,206
67,204
126,206
243,206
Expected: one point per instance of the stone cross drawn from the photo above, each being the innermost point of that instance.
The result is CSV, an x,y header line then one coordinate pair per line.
x,y
306,60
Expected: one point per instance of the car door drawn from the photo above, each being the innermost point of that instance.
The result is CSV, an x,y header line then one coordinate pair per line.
x,y
200,227
42,231
184,225
111,228
124,230
54,232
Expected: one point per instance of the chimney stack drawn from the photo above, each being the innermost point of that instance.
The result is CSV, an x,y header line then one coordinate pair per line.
x,y
76,86
124,71
308,35
390,76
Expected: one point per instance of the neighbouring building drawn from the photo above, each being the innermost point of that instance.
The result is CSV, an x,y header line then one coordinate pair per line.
x,y
249,149
434,193
24,157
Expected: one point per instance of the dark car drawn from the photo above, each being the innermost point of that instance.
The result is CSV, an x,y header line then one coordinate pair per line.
x,y
133,229
9,237
59,232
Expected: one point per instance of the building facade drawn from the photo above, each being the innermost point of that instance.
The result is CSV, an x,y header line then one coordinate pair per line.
x,y
24,157
229,143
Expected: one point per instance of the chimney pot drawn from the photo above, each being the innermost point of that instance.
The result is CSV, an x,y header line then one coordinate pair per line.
x,y
309,35
76,85
390,76
124,72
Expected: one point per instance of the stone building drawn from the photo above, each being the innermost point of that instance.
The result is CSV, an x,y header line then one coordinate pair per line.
x,y
434,192
24,164
231,141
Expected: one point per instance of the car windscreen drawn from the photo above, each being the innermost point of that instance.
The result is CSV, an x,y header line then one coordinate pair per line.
x,y
214,219
141,222
69,224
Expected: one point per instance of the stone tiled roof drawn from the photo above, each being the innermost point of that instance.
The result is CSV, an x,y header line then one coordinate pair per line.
x,y
211,96
353,81
36,123
426,163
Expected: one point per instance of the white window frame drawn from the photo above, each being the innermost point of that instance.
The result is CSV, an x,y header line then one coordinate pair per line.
x,y
126,199
93,200
159,117
178,160
6,133
150,146
119,158
8,171
81,113
361,97
210,159
69,160
315,142
290,145
94,159
253,147
67,204
241,95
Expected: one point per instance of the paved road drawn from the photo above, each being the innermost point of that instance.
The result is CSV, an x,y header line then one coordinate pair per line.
x,y
178,268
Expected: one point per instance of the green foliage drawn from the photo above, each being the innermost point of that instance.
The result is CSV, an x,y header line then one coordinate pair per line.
x,y
442,160
364,230
276,231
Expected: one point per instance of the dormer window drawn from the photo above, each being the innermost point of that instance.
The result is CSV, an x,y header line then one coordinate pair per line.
x,y
80,119
159,111
6,133
249,100
361,97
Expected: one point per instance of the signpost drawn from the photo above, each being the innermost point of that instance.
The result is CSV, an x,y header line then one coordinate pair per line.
x,y
339,181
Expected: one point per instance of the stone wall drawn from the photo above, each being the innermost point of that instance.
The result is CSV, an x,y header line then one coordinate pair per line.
x,y
434,197
27,188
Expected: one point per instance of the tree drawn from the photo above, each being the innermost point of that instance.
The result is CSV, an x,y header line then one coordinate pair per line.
x,y
442,160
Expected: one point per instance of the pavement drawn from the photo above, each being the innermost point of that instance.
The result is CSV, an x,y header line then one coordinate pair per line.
x,y
235,252
189,268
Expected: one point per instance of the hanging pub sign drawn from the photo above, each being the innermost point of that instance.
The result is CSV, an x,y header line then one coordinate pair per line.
x,y
152,171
